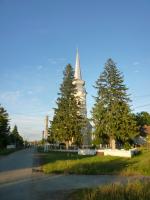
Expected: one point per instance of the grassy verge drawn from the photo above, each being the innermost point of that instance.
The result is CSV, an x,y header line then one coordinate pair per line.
x,y
4,152
71,163
131,191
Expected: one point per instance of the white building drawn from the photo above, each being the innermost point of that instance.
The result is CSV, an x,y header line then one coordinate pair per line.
x,y
81,94
80,85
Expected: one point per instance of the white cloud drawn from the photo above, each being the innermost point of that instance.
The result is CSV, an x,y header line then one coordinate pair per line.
x,y
136,63
55,61
136,71
34,90
40,67
136,67
30,127
52,61
30,92
10,96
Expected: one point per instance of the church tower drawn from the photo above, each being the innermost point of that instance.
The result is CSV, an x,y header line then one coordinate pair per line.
x,y
81,94
80,85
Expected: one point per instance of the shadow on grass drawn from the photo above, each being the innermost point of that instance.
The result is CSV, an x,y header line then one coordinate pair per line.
x,y
98,167
72,163
41,158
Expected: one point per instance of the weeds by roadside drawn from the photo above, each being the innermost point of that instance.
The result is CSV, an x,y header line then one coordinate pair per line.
x,y
132,191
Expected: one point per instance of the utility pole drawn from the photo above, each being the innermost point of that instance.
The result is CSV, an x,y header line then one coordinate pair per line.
x,y
42,135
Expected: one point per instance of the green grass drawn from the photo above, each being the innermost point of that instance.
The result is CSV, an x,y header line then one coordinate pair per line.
x,y
131,191
71,163
4,152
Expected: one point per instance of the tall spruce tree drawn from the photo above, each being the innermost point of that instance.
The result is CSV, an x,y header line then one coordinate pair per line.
x,y
111,112
4,127
16,138
67,122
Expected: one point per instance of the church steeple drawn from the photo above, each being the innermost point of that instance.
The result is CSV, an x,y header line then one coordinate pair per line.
x,y
81,98
80,85
77,74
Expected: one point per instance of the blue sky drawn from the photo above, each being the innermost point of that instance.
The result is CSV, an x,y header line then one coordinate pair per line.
x,y
39,37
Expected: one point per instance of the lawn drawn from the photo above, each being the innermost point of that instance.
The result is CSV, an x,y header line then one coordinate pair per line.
x,y
71,163
131,191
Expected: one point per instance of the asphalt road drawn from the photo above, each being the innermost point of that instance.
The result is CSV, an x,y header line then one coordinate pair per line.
x,y
20,181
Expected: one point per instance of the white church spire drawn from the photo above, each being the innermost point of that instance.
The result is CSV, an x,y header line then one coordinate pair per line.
x,y
81,94
77,74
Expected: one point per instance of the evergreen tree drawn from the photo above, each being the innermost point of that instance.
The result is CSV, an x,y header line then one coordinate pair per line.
x,y
16,138
4,127
111,112
67,122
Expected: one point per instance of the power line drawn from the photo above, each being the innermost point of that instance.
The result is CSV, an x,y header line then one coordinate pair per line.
x,y
141,96
31,113
142,106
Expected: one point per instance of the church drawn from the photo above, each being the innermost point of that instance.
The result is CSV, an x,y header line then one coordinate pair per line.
x,y
81,94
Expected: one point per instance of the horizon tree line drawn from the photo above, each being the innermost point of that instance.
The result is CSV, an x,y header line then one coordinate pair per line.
x,y
7,136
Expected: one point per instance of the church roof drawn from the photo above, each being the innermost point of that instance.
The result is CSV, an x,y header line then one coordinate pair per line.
x,y
77,74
